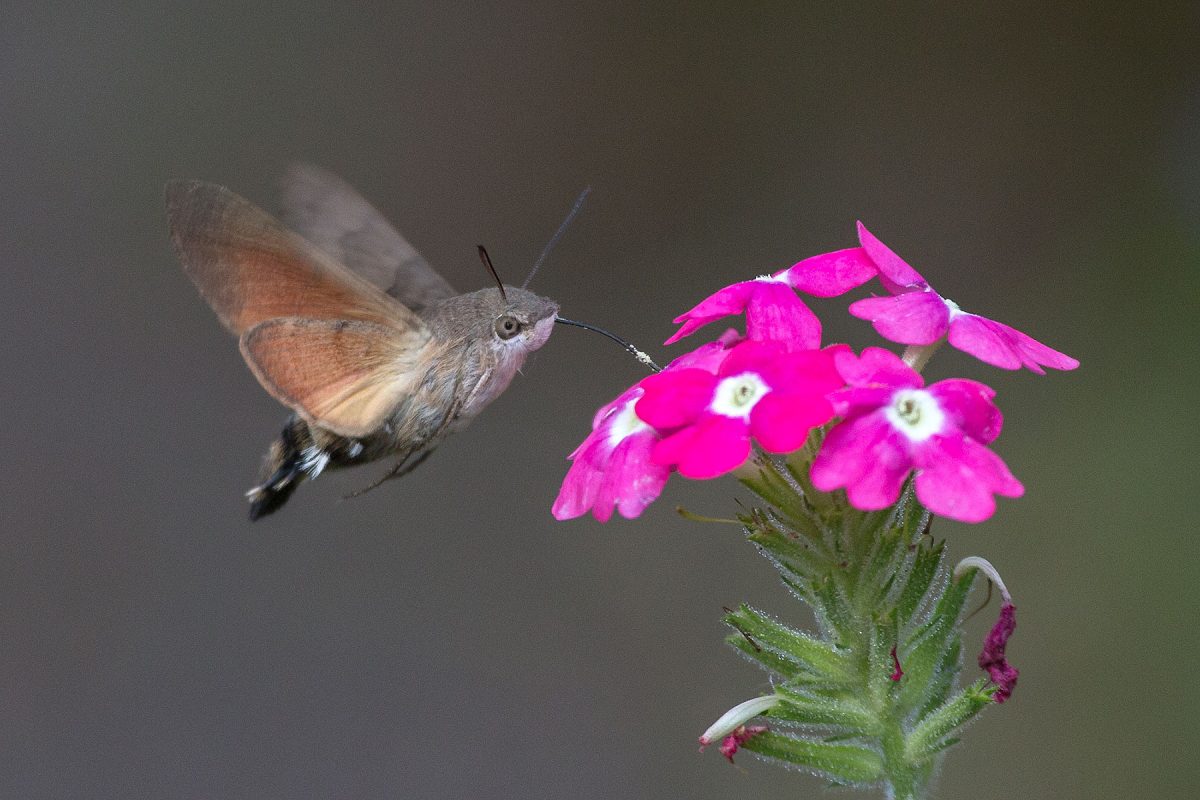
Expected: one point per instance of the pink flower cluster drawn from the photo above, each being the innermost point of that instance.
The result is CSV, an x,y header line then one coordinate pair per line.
x,y
702,415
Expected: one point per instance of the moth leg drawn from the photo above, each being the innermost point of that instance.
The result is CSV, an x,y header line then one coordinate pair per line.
x,y
404,466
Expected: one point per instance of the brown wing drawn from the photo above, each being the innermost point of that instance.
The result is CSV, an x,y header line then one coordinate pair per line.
x,y
250,268
326,211
344,376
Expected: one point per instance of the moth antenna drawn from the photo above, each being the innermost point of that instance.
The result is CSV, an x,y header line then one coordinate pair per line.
x,y
487,262
638,354
557,234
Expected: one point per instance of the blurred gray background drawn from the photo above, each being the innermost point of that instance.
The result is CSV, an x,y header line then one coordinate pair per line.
x,y
443,636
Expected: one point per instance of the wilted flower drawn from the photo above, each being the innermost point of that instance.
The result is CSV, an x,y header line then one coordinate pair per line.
x,y
731,728
916,314
762,389
992,657
893,425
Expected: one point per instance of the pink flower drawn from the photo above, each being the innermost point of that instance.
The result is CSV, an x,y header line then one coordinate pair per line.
x,y
612,468
773,311
761,389
992,659
892,425
916,314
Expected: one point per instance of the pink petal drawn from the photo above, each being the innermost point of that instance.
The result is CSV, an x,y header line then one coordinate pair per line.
x,y
775,313
973,335
892,268
579,489
730,300
867,457
855,401
632,480
832,274
750,356
969,405
675,397
708,356
1001,346
807,371
781,421
713,446
877,366
911,318
957,476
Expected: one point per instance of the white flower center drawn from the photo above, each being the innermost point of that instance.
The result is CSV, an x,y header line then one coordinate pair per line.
x,y
625,423
916,414
737,395
955,310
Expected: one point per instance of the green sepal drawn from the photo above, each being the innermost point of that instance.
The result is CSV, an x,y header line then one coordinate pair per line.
x,y
840,762
812,708
790,552
943,677
924,570
808,653
782,666
929,736
783,495
925,653
833,611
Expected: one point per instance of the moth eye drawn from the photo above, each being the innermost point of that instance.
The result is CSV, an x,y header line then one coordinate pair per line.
x,y
507,326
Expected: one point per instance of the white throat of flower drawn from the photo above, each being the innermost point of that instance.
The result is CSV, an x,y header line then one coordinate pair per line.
x,y
625,423
737,395
915,413
955,310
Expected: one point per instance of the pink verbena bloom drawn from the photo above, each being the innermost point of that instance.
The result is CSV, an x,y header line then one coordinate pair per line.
x,y
773,311
612,468
916,314
992,659
762,389
892,425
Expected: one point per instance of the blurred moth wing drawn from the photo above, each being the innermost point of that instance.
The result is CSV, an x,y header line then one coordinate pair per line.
x,y
320,338
346,376
328,212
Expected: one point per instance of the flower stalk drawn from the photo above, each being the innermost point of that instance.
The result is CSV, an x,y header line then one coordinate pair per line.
x,y
869,698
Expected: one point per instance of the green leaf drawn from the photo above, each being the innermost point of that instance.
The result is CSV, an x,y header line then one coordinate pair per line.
x,y
841,762
809,653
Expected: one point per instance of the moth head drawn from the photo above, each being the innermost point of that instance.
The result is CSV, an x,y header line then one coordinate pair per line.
x,y
522,319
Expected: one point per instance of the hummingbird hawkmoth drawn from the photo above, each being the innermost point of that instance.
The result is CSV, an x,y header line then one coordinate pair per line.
x,y
342,321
